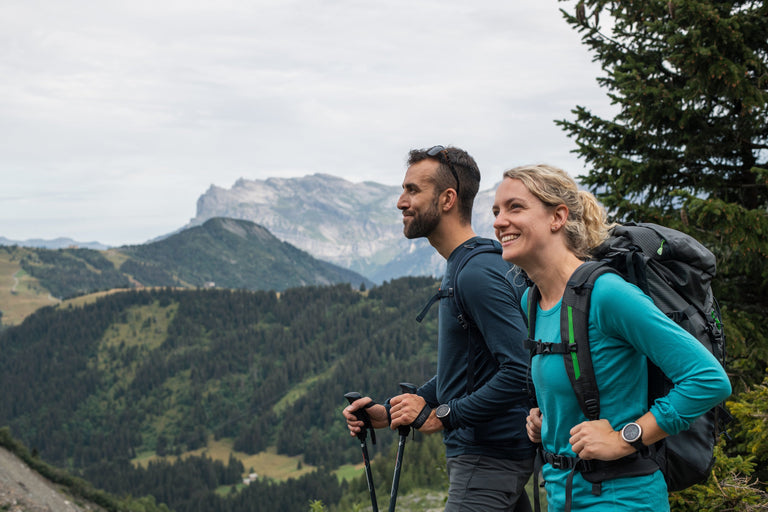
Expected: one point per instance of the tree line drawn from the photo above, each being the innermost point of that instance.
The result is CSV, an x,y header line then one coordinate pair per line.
x,y
165,370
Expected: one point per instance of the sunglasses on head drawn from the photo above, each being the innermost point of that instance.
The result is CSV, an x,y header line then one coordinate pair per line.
x,y
445,158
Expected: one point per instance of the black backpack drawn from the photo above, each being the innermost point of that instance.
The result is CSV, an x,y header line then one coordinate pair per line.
x,y
676,271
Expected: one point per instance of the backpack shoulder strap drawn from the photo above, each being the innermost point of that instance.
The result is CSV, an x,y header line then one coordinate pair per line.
x,y
481,246
477,246
574,334
574,330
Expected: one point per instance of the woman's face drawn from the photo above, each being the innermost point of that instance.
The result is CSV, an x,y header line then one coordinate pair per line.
x,y
523,223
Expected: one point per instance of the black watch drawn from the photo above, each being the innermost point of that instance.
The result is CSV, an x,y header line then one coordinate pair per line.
x,y
632,433
442,412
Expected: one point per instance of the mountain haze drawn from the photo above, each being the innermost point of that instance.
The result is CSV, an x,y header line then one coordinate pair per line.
x,y
56,243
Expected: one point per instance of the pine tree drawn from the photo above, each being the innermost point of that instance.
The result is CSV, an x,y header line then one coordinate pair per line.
x,y
690,81
687,146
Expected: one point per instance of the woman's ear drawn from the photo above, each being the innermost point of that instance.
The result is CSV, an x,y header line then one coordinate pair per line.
x,y
559,217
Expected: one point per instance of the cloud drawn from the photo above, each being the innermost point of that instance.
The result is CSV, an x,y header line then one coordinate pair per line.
x,y
115,116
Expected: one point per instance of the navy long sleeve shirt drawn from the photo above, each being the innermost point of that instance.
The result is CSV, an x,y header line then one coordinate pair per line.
x,y
490,420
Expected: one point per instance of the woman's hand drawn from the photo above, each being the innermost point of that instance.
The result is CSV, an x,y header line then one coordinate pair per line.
x,y
598,440
533,425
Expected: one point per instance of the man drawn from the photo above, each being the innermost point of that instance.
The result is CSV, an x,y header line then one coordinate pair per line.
x,y
478,398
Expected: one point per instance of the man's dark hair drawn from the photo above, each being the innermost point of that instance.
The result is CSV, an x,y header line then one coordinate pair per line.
x,y
466,170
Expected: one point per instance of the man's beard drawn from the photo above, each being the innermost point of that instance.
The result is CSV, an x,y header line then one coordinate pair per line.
x,y
423,224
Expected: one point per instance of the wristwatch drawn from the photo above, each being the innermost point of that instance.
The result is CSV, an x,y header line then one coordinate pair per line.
x,y
632,433
442,412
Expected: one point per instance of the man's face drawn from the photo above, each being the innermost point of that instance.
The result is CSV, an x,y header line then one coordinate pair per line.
x,y
419,202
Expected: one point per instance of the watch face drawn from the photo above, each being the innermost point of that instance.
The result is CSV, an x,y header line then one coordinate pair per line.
x,y
442,410
631,432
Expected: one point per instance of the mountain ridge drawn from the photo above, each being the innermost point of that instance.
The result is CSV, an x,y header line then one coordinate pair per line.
x,y
352,225
223,253
363,232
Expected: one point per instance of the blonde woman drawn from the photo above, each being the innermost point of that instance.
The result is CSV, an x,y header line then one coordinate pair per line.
x,y
547,227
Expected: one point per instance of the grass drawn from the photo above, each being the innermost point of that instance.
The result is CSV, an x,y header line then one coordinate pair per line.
x,y
299,390
267,464
20,294
349,471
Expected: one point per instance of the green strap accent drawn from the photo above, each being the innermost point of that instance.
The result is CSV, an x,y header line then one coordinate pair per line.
x,y
571,341
716,320
661,247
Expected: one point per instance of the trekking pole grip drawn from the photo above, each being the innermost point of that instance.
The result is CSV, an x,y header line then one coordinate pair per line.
x,y
361,415
408,388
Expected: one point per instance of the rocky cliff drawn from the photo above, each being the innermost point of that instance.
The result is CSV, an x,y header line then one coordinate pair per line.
x,y
354,225
24,490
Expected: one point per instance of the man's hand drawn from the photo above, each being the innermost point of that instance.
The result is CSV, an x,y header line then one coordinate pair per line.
x,y
405,408
533,425
377,413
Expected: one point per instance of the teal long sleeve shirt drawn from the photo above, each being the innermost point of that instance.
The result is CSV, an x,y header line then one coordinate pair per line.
x,y
625,327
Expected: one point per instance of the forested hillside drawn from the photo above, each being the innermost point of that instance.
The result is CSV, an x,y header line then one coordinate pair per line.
x,y
222,253
163,371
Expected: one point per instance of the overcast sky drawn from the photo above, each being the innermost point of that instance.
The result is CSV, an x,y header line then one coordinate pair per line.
x,y
115,116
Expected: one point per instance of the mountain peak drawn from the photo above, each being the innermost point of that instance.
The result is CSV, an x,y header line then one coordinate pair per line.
x,y
354,225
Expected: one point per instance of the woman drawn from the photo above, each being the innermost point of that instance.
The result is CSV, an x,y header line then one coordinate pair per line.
x,y
547,227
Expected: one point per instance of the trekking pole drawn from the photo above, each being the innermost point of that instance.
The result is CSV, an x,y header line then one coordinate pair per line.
x,y
361,415
404,430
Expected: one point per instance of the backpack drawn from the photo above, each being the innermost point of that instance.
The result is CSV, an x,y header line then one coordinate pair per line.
x,y
675,271
477,246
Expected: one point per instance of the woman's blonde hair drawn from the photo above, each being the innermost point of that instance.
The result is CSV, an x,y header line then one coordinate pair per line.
x,y
586,226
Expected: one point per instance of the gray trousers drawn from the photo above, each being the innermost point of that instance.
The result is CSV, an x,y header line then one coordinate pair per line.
x,y
479,483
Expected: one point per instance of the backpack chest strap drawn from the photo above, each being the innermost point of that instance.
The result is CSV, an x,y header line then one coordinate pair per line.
x,y
538,347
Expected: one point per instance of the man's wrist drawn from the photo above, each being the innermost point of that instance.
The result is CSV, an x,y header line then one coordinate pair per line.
x,y
422,417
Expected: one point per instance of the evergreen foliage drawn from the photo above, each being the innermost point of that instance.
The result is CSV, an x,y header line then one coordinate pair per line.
x,y
423,468
71,272
688,148
690,81
164,370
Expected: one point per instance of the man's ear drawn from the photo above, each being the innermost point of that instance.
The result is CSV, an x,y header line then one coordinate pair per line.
x,y
448,199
